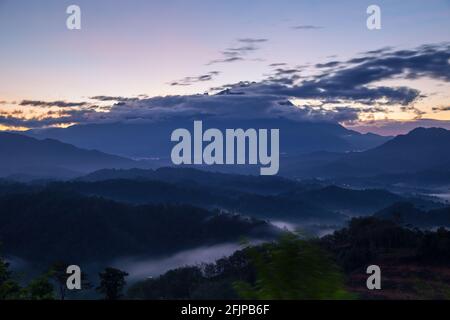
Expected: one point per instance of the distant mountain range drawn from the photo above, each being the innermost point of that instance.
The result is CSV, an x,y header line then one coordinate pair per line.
x,y
420,156
420,150
189,177
25,156
272,198
316,196
152,140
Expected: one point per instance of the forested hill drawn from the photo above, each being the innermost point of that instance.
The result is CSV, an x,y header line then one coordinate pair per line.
x,y
51,226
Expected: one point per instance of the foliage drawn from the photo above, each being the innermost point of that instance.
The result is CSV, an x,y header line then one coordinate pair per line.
x,y
58,274
9,289
293,269
48,226
40,289
112,282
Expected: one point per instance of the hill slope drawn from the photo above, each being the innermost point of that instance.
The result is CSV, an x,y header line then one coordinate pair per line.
x,y
419,150
49,226
25,155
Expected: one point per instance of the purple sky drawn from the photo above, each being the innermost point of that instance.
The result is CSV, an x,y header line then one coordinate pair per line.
x,y
129,52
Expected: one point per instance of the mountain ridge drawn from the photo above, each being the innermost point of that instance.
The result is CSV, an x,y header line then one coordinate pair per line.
x,y
26,155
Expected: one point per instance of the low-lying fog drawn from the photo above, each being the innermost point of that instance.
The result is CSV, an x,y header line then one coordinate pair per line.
x,y
140,268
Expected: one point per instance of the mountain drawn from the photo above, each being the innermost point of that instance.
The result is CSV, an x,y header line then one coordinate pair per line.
x,y
273,198
51,226
419,150
260,196
24,155
407,214
273,207
152,140
255,196
355,202
265,185
436,180
349,201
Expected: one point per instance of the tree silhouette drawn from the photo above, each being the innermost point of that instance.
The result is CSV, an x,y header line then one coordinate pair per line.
x,y
40,289
59,275
112,282
9,289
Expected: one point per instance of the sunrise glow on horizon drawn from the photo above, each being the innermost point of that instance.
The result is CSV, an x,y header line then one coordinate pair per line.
x,y
141,49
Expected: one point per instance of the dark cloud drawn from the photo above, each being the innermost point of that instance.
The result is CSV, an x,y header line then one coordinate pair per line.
x,y
280,64
306,27
187,81
378,51
225,60
238,53
253,40
229,104
330,64
232,52
60,104
113,98
324,90
442,108
353,80
285,71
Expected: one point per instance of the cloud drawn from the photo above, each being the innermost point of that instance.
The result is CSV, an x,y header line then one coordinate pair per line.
x,y
60,104
353,80
112,98
395,127
441,108
221,106
187,81
252,40
279,64
377,51
225,60
239,50
229,105
306,27
341,91
237,53
50,118
330,64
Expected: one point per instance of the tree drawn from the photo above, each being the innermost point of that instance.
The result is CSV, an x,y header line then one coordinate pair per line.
x,y
40,289
293,269
9,289
112,282
58,273
5,274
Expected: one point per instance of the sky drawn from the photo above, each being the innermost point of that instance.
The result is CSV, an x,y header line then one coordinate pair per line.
x,y
131,57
